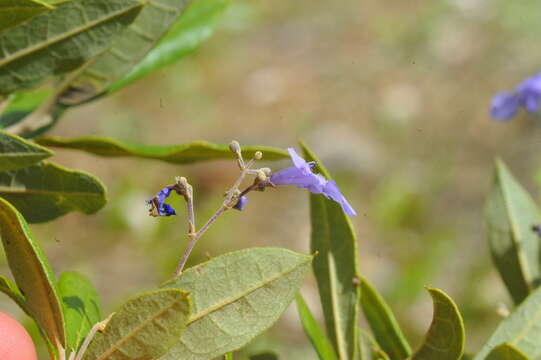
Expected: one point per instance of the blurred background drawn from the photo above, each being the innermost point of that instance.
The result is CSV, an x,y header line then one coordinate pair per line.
x,y
393,96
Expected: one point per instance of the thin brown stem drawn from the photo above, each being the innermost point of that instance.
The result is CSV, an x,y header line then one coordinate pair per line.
x,y
194,237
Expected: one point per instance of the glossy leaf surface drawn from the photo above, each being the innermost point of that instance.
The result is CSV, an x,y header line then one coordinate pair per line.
x,y
81,306
235,297
195,26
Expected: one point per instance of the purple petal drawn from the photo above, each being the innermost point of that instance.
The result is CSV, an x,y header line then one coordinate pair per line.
x,y
531,99
300,178
504,106
331,191
241,203
166,210
298,161
163,194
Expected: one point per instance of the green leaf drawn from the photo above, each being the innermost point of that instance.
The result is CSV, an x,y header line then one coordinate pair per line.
x,y
521,329
369,349
16,152
195,26
510,214
316,335
9,288
32,274
383,323
506,352
228,356
144,327
60,40
445,338
176,154
14,12
81,307
235,297
45,191
336,268
128,49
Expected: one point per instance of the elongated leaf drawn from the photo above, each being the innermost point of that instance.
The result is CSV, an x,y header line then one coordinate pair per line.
x,y
16,152
515,248
46,191
129,48
445,338
522,329
506,352
13,12
336,268
10,289
235,297
60,40
228,356
194,27
176,154
144,327
369,349
81,307
383,323
32,273
317,337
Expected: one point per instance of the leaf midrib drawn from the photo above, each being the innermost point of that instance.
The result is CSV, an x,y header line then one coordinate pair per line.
x,y
49,42
116,346
244,293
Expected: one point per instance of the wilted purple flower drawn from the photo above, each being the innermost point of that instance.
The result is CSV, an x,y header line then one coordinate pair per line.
x,y
158,206
505,105
301,175
241,203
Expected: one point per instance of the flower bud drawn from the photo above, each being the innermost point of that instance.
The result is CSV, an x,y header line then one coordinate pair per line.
x,y
267,171
258,155
261,176
234,146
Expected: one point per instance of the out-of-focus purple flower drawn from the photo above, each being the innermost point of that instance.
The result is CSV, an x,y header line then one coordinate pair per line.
x,y
241,203
537,229
158,205
505,105
301,175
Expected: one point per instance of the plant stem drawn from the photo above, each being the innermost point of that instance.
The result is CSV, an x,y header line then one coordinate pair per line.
x,y
194,237
228,202
100,326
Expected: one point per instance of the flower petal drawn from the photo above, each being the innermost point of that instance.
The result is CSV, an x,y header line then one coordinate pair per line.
x,y
504,106
331,191
241,203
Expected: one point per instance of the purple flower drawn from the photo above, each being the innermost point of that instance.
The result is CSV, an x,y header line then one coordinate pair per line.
x,y
158,206
301,175
505,105
241,203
